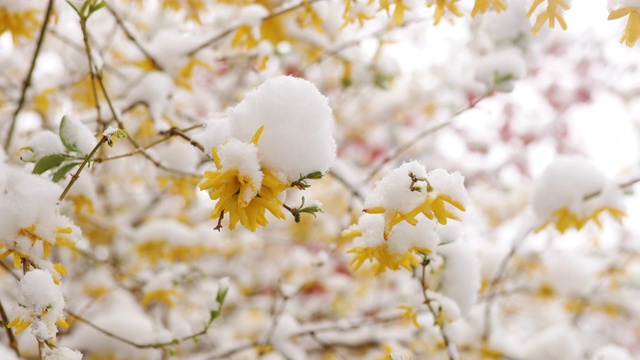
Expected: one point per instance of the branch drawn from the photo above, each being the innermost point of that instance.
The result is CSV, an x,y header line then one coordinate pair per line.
x,y
13,343
449,346
133,39
158,345
226,33
92,74
27,80
75,176
420,136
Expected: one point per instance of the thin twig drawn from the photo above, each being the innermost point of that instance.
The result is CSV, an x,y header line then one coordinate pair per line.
x,y
27,80
227,32
135,344
13,343
423,283
92,71
75,176
130,36
421,136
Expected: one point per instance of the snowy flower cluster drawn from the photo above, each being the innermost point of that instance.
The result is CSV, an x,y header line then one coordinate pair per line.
x,y
41,306
571,192
402,214
278,136
30,220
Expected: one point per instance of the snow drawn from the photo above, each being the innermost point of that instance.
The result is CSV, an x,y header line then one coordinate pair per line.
x,y
451,184
43,303
394,193
77,134
154,90
63,353
297,124
405,236
40,145
617,4
611,352
499,71
461,274
567,182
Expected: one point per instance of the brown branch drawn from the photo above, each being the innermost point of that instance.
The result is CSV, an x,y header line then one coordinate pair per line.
x,y
421,136
423,284
92,71
76,176
13,343
133,39
228,32
135,344
27,80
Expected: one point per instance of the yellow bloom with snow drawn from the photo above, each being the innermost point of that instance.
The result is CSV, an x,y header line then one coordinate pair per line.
x,y
632,31
554,11
21,24
164,296
32,234
442,6
481,6
244,191
404,248
563,219
571,192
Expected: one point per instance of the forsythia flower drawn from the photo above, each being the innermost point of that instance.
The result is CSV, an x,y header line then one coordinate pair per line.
x,y
553,12
403,248
20,23
571,192
441,6
41,306
482,6
409,191
632,31
242,188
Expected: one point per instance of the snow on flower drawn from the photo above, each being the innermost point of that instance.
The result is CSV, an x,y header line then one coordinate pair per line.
x,y
279,134
403,248
41,306
409,191
571,191
29,215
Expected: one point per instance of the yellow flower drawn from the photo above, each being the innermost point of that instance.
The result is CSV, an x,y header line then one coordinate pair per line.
x,y
482,6
632,31
20,24
166,296
60,238
238,196
564,219
433,207
410,313
183,186
551,14
21,324
441,6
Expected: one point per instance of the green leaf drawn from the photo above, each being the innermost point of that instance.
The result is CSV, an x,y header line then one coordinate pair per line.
x,y
94,8
86,4
316,175
63,132
63,170
48,162
74,8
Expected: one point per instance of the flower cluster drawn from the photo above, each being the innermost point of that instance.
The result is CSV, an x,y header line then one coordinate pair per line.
x,y
278,136
29,221
40,307
571,192
412,203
